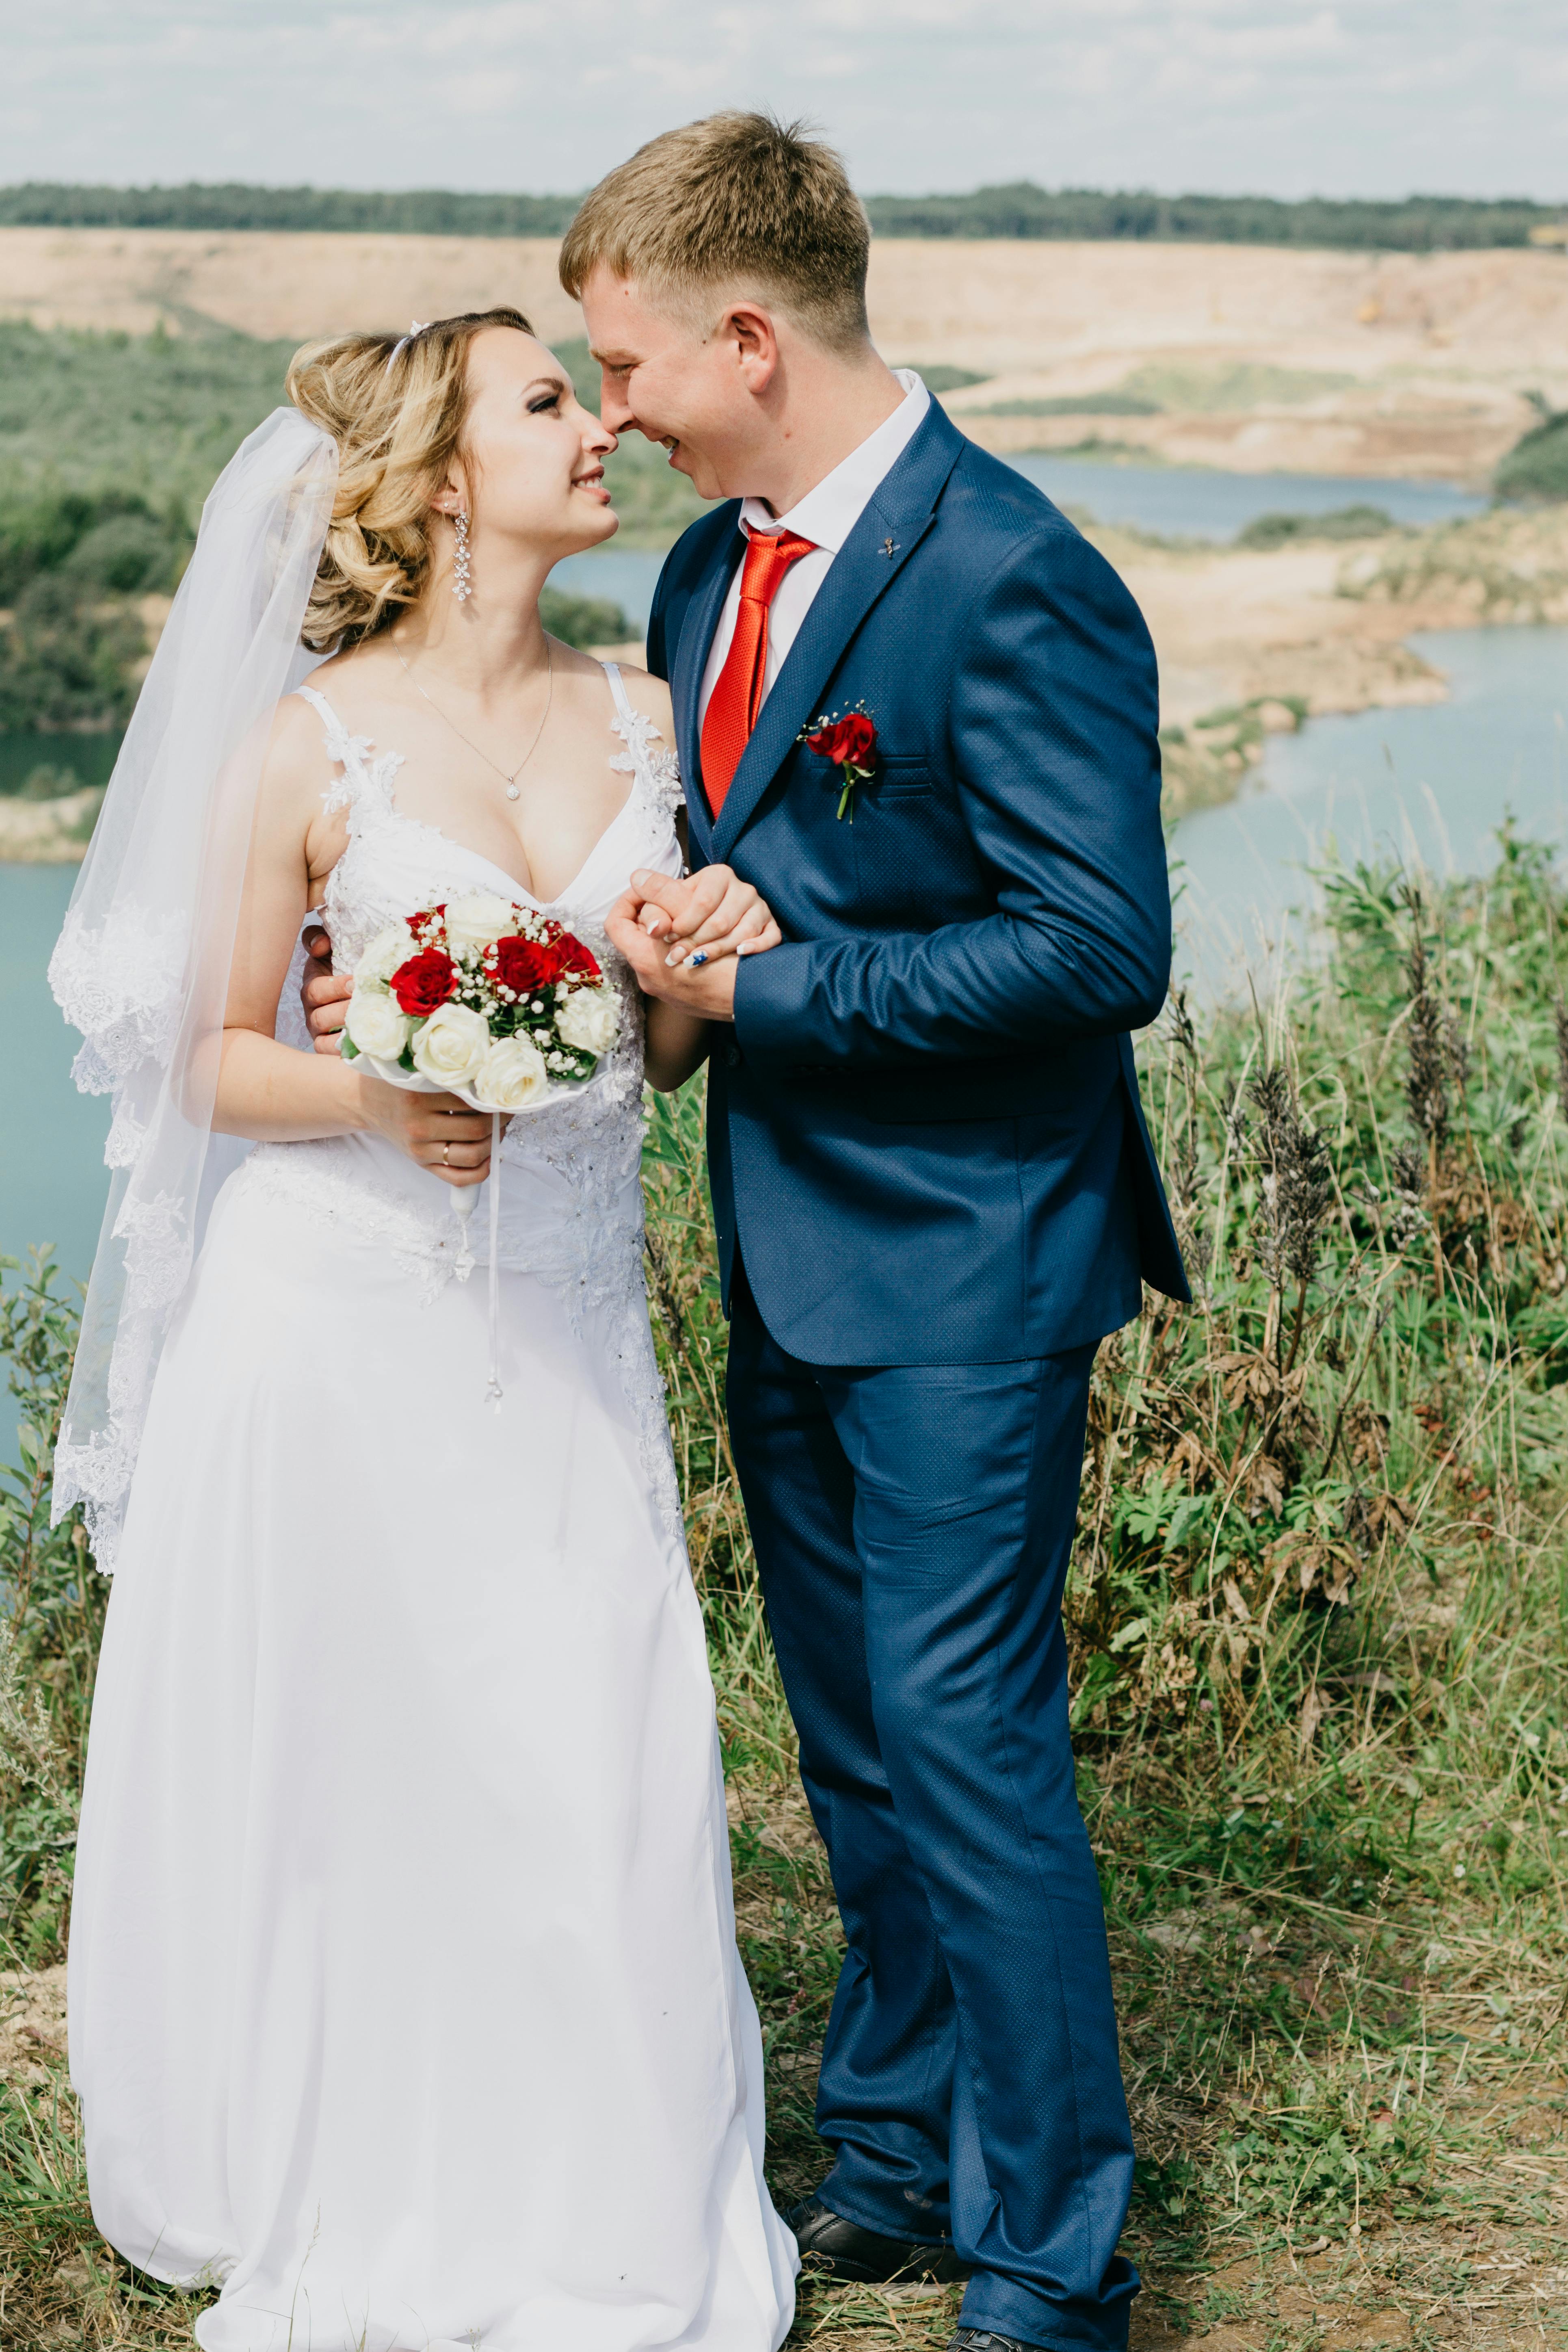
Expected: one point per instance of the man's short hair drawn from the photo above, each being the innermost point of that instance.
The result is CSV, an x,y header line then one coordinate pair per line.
x,y
735,201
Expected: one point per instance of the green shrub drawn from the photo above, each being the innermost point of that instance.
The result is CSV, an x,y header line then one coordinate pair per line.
x,y
67,661
1268,530
127,555
583,620
1537,466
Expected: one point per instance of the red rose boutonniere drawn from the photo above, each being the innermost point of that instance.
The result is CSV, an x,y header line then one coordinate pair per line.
x,y
848,740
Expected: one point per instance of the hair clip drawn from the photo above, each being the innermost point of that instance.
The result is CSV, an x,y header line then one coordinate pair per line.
x,y
415,326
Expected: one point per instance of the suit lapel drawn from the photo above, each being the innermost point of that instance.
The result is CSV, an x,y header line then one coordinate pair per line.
x,y
691,652
901,513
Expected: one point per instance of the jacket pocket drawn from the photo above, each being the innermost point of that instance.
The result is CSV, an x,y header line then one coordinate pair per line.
x,y
905,776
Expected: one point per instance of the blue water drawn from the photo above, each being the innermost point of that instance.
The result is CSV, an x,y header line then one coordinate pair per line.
x,y
1430,784
52,1178
627,575
1186,502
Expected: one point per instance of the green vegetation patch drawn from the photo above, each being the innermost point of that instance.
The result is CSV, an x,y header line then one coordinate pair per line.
x,y
1225,391
159,416
1360,522
1536,467
1080,403
938,378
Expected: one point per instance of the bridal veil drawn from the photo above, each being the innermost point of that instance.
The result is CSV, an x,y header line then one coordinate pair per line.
x,y
141,967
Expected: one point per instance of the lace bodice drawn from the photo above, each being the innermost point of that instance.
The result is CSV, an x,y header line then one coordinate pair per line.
x,y
570,1202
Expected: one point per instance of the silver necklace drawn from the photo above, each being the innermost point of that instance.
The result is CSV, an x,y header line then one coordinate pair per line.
x,y
511,781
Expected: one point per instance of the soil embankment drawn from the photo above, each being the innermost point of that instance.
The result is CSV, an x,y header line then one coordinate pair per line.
x,y
1243,357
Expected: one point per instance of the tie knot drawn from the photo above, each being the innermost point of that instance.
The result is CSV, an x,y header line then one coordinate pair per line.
x,y
769,554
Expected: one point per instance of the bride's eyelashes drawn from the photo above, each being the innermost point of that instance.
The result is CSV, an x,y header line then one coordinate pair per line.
x,y
546,401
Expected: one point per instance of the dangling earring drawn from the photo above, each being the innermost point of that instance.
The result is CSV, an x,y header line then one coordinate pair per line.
x,y
462,585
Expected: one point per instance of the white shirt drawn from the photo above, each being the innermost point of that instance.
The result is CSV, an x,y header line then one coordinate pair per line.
x,y
826,515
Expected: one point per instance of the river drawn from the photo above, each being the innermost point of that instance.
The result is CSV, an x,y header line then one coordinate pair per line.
x,y
1434,781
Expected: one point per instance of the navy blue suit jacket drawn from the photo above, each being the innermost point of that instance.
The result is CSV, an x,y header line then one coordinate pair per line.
x,y
925,1136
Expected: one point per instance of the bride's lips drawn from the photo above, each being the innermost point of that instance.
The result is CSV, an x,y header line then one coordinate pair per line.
x,y
594,483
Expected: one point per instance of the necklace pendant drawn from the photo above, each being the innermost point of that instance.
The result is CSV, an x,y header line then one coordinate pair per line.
x,y
512,793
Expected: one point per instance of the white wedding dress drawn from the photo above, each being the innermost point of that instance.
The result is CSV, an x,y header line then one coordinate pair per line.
x,y
404,1991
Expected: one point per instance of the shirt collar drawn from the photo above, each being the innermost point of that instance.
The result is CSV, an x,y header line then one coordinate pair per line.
x,y
828,514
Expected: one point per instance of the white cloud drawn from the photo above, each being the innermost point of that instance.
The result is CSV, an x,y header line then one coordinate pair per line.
x,y
1373,97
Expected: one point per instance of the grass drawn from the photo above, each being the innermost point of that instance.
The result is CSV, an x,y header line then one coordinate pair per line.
x,y
109,445
1318,1624
156,418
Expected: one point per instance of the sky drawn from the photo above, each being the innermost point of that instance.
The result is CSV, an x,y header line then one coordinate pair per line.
x,y
1286,98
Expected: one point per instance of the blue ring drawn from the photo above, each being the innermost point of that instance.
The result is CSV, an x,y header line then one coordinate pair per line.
x,y
701,956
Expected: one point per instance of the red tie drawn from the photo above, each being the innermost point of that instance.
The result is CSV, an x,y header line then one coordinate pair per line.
x,y
737,695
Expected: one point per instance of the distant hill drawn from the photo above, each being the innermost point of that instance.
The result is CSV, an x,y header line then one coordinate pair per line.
x,y
1415,225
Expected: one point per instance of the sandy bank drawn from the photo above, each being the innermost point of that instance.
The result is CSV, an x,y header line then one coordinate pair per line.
x,y
48,832
1274,637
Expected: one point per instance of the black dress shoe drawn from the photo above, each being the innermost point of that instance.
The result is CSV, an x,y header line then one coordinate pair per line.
x,y
846,2251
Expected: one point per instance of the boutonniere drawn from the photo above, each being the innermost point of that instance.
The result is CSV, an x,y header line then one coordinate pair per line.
x,y
848,740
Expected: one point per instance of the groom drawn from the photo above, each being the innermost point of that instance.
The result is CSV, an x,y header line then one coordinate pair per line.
x,y
932,1183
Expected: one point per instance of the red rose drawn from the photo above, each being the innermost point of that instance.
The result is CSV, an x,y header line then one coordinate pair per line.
x,y
423,983
576,963
849,742
523,965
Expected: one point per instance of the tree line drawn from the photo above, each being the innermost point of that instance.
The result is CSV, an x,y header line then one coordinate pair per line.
x,y
1412,225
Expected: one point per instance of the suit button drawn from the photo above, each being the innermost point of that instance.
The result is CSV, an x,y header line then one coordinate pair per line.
x,y
732,1057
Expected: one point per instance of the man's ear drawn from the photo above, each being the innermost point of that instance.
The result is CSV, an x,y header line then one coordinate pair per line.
x,y
752,332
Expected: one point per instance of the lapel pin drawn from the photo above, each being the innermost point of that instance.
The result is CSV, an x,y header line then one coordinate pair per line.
x,y
889,547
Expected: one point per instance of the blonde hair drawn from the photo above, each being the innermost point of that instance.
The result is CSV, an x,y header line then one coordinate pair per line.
x,y
734,199
396,409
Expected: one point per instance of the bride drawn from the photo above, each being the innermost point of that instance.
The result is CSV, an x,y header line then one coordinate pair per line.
x,y
404,1999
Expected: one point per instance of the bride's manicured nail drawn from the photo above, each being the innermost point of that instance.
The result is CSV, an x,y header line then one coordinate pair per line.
x,y
675,955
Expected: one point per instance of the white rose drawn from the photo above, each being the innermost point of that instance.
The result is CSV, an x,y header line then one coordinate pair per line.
x,y
512,1076
375,1025
590,1019
474,921
451,1045
381,958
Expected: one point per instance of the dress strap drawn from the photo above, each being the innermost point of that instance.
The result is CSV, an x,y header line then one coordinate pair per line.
x,y
657,771
363,784
336,731
618,689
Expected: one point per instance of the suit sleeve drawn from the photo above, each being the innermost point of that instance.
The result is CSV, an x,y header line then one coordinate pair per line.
x,y
1054,710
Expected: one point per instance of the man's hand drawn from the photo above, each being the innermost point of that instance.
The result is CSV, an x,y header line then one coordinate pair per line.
x,y
323,993
707,915
707,991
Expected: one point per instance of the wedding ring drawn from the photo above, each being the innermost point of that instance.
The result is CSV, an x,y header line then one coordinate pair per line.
x,y
445,1155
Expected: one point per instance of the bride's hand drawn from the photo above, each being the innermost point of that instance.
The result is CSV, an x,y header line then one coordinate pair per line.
x,y
438,1131
710,914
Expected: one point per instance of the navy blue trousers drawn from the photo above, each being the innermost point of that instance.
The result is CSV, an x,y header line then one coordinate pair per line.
x,y
912,1524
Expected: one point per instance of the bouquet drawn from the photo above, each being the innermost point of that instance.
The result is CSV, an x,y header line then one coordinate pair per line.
x,y
488,1001
483,999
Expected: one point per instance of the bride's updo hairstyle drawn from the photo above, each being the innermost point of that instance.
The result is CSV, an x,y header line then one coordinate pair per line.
x,y
396,408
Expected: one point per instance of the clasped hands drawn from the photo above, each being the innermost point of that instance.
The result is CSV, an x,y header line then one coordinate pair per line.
x,y
683,938
660,924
